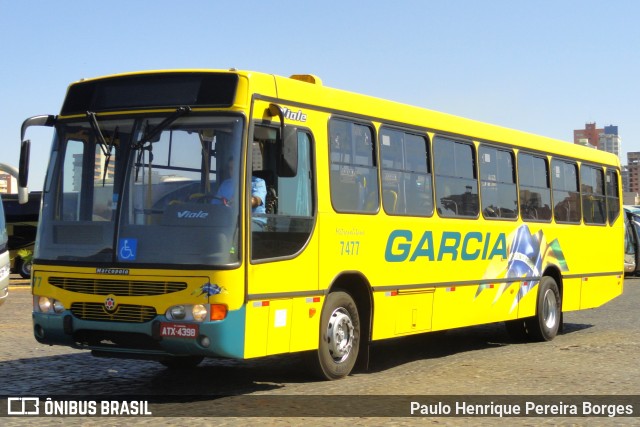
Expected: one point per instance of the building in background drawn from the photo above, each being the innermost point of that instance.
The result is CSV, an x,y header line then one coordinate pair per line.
x,y
605,139
624,174
610,141
633,171
588,136
7,183
99,173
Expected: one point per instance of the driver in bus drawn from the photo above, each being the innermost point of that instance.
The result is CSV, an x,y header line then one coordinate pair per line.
x,y
225,195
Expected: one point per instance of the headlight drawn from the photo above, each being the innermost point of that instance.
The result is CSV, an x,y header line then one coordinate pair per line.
x,y
44,304
188,312
177,312
57,306
47,305
199,312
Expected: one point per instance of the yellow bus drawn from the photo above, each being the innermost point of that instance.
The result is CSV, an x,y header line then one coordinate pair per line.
x,y
224,213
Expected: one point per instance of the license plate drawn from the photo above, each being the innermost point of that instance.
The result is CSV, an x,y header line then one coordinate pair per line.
x,y
178,330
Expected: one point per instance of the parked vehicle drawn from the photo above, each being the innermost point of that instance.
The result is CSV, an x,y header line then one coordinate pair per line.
x,y
632,241
4,258
22,225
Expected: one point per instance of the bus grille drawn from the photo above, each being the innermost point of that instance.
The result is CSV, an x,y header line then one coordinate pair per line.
x,y
123,313
117,287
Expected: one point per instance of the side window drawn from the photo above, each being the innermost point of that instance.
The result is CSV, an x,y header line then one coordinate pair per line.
x,y
497,183
72,177
613,195
535,193
566,198
406,174
354,176
456,181
594,204
283,224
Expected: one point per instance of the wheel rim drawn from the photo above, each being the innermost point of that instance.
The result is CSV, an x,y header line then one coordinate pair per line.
x,y
550,309
340,334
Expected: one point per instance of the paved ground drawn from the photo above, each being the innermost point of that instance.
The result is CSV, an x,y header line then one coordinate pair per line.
x,y
596,355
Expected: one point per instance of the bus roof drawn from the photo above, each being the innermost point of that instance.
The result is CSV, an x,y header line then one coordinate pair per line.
x,y
307,91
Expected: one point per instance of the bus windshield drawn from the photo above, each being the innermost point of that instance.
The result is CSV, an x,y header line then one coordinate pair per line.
x,y
142,190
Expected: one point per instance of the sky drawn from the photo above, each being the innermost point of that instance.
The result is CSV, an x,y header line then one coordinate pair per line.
x,y
545,67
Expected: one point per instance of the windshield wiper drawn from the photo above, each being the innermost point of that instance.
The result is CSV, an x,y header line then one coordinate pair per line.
x,y
107,157
151,134
93,121
104,146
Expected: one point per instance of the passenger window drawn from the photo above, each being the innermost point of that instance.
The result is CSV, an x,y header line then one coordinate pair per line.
x,y
456,181
594,203
406,174
497,183
613,196
534,190
354,175
566,198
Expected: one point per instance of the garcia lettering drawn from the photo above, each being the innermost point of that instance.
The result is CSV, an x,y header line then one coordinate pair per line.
x,y
451,245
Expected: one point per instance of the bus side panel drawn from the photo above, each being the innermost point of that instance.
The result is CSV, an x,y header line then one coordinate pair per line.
x,y
413,312
458,306
282,326
256,333
279,327
305,323
402,314
571,294
384,309
527,301
598,290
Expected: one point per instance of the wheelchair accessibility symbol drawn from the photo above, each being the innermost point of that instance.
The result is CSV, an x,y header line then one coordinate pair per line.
x,y
127,249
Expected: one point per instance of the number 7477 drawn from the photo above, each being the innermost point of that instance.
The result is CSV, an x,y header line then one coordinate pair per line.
x,y
350,247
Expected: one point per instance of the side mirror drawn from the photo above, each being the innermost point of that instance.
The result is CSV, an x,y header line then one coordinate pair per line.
x,y
288,160
25,149
48,121
23,171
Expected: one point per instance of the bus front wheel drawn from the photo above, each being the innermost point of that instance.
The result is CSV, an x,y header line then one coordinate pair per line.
x,y
545,324
339,337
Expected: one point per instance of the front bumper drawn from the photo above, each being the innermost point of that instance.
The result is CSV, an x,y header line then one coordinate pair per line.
x,y
141,340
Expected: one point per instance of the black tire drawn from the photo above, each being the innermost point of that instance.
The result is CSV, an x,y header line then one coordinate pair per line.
x,y
339,337
545,324
517,330
181,362
25,269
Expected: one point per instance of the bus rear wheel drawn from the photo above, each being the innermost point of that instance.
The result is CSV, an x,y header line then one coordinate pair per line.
x,y
339,337
544,326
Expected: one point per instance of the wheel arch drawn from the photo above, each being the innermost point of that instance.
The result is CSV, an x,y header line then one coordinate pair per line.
x,y
357,285
554,272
